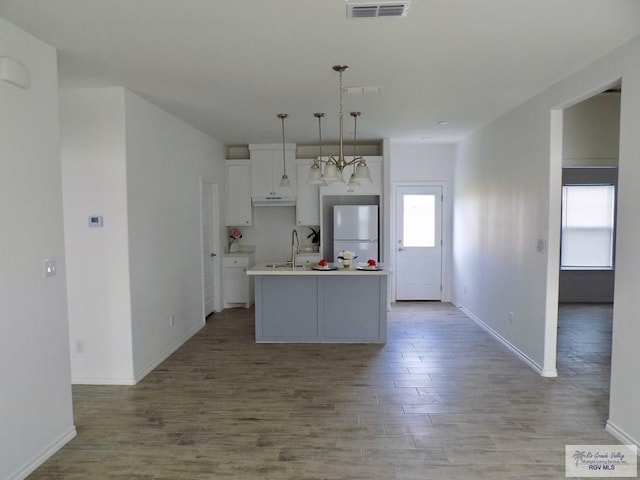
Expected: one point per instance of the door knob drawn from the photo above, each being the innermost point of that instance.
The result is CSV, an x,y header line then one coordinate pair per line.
x,y
213,254
400,249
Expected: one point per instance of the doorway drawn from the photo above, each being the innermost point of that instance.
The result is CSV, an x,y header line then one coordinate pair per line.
x,y
584,149
418,249
210,227
590,141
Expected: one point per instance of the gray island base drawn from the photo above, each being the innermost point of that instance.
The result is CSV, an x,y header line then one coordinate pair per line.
x,y
304,305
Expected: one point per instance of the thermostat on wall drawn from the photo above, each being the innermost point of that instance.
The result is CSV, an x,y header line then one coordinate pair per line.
x,y
95,221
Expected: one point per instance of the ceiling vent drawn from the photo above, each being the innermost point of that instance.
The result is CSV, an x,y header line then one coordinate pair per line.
x,y
377,9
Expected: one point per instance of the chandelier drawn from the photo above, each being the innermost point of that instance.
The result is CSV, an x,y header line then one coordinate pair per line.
x,y
324,172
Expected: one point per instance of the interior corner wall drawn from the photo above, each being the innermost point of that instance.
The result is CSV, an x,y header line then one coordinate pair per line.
x,y
421,163
165,160
94,183
502,207
36,416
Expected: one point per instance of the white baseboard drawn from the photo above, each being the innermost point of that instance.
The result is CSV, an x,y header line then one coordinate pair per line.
x,y
621,435
103,380
519,353
585,299
139,375
44,455
144,371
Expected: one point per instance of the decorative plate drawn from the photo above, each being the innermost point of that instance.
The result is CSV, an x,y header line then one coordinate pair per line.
x,y
369,269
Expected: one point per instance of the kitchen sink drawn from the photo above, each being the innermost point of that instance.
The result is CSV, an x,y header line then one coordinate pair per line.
x,y
283,265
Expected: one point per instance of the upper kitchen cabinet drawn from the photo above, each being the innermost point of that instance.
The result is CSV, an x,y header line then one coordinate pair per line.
x,y
308,196
375,188
267,168
238,192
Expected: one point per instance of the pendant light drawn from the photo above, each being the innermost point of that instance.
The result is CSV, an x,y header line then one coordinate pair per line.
x,y
284,181
315,172
361,173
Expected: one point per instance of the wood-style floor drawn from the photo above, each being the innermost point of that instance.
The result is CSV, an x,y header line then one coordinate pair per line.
x,y
441,400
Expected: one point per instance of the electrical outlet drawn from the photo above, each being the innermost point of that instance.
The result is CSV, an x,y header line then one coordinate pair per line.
x,y
465,289
512,317
172,319
79,344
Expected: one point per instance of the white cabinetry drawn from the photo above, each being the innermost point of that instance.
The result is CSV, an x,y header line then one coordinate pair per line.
x,y
238,287
307,196
267,169
238,192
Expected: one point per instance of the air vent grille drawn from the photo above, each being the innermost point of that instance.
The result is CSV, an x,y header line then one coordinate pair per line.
x,y
377,9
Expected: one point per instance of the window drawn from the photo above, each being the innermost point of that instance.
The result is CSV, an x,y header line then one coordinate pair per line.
x,y
588,213
419,228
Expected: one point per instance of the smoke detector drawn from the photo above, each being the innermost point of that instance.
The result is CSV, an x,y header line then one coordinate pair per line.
x,y
377,9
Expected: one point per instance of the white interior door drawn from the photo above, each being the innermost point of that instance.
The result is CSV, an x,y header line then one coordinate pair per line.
x,y
419,243
210,247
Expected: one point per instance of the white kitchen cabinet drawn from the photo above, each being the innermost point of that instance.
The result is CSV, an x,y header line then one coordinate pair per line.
x,y
307,196
238,287
238,192
267,168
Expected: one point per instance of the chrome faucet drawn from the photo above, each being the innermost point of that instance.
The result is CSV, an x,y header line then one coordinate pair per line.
x,y
295,248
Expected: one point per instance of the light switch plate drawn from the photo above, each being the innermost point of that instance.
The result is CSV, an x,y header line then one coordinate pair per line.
x,y
14,72
49,266
95,221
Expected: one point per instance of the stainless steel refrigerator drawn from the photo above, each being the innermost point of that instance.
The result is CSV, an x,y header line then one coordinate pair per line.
x,y
355,228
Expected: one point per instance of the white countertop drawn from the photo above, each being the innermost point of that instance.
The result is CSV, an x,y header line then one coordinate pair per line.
x,y
263,269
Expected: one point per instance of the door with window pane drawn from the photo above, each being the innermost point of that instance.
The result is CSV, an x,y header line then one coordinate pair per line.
x,y
419,243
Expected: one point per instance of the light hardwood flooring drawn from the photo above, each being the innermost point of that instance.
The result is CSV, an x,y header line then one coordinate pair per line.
x,y
441,400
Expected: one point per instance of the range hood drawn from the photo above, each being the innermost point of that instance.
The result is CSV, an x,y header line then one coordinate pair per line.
x,y
273,201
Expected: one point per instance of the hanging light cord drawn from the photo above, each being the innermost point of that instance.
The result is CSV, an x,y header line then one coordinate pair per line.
x,y
284,161
320,132
340,154
355,131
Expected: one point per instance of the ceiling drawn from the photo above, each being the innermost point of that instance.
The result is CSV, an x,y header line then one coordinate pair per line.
x,y
228,67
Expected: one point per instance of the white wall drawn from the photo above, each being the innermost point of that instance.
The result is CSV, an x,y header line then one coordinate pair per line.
x,y
165,160
140,168
95,183
591,132
625,388
36,415
507,196
416,163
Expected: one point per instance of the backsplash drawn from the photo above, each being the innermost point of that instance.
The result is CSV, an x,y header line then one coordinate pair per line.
x,y
271,233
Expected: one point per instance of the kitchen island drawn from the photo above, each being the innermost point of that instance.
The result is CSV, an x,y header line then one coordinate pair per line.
x,y
322,306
